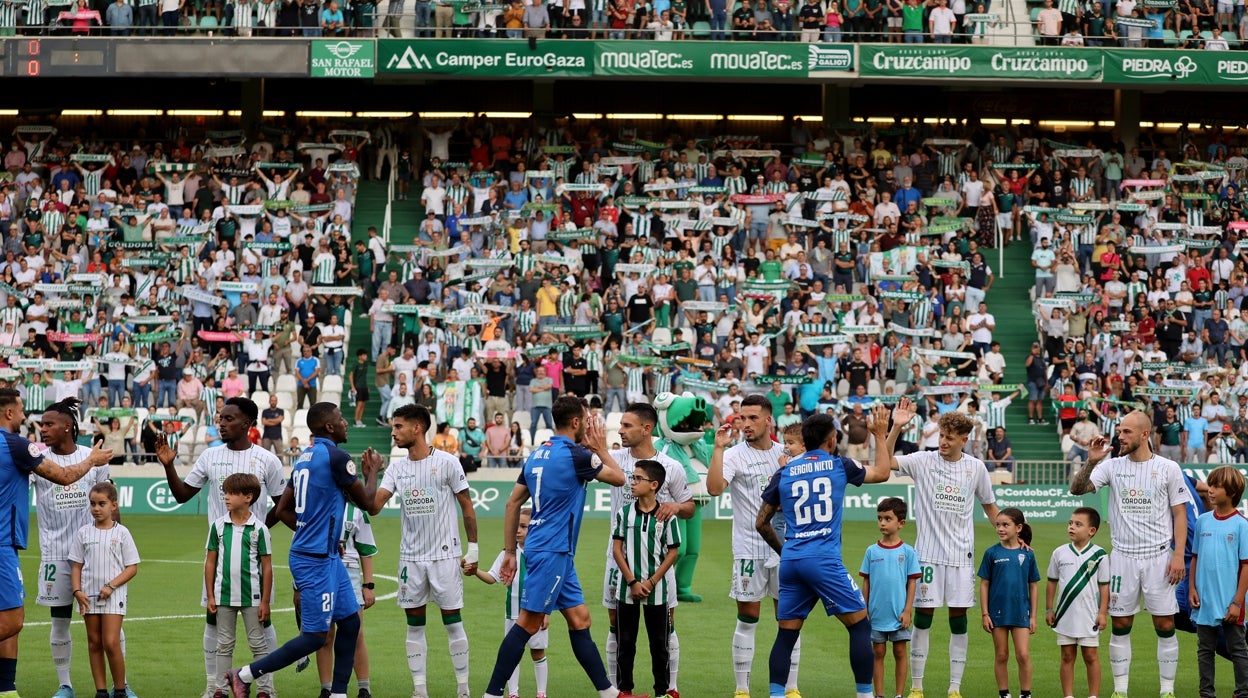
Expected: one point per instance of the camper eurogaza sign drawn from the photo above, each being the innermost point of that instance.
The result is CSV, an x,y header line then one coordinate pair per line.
x,y
502,58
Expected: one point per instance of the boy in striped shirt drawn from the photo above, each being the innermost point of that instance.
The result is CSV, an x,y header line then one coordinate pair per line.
x,y
541,640
238,574
644,549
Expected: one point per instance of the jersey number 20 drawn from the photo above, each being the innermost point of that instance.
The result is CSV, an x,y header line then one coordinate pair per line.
x,y
814,501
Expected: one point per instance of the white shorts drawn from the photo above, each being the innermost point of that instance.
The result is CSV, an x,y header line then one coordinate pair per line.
x,y
611,586
1225,8
753,580
1134,578
894,22
1092,641
439,581
55,584
114,605
540,640
944,585
1006,221
357,581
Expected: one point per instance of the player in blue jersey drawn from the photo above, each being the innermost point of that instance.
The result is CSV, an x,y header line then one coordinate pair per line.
x,y
18,459
810,491
556,477
322,480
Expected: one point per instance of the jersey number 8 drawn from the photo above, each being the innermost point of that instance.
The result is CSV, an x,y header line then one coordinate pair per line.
x,y
814,501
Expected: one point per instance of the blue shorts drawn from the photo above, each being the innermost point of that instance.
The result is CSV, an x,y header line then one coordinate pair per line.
x,y
12,592
879,637
550,583
805,581
1034,391
325,593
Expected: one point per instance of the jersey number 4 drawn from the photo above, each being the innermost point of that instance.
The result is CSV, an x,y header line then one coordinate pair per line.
x,y
814,501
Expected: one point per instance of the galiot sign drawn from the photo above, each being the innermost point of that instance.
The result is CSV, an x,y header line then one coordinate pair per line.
x,y
500,58
948,61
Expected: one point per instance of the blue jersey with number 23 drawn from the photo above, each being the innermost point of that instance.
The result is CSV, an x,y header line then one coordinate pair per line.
x,y
811,492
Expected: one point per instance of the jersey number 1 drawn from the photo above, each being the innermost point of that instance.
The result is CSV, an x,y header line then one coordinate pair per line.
x,y
814,501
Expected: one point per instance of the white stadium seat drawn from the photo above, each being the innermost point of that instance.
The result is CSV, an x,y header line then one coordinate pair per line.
x,y
334,396
332,384
542,435
661,336
261,398
613,420
286,401
301,418
286,383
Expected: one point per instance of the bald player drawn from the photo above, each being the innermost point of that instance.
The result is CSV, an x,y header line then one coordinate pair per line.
x,y
1148,499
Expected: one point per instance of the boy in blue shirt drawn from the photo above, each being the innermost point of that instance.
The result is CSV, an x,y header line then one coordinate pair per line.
x,y
1219,579
890,573
810,490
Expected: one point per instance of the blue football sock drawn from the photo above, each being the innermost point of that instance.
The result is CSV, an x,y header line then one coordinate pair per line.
x,y
587,654
8,674
781,658
509,654
301,645
861,655
344,652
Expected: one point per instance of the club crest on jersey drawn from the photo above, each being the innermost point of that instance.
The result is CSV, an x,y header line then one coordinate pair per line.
x,y
33,450
1021,557
351,468
1230,538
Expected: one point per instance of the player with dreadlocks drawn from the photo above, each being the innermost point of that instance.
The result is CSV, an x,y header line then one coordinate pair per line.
x,y
62,510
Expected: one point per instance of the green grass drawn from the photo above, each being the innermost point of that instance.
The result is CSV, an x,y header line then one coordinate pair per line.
x,y
165,656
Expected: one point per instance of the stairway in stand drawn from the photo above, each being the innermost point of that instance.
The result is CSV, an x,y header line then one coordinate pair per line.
x,y
1010,304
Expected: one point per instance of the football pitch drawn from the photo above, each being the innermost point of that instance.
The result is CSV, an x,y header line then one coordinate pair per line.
x,y
164,628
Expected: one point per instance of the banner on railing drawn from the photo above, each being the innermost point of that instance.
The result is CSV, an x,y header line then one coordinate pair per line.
x,y
1175,68
1002,63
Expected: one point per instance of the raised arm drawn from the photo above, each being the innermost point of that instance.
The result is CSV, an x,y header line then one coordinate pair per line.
x,y
882,469
715,482
71,474
1098,449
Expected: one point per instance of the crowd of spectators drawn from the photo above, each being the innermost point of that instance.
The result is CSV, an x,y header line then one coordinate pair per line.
x,y
1196,24
157,279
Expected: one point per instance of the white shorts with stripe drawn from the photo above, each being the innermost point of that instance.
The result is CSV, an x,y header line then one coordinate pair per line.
x,y
55,584
1132,579
944,585
439,581
753,580
540,640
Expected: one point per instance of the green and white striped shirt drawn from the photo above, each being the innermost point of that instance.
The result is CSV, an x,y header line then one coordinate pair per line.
x,y
209,396
636,379
526,320
238,581
567,304
36,400
994,412
11,314
735,185
646,542
593,359
524,262
92,180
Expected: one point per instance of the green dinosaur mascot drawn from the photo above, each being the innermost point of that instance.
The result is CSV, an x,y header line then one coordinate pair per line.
x,y
686,423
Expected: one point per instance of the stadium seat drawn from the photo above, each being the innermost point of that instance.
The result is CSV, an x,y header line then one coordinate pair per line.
x,y
189,412
286,383
842,388
330,396
524,419
301,418
397,452
701,30
688,335
542,435
286,401
873,387
613,420
303,434
1169,37
261,398
661,336
331,384
208,23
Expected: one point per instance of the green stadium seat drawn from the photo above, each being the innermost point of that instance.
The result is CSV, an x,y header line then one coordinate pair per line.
x,y
1035,15
208,23
1206,35
701,29
1168,36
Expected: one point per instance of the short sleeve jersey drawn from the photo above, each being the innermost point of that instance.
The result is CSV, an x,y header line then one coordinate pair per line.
x,y
675,484
18,460
557,474
425,491
888,570
1140,497
1079,575
748,471
319,479
103,552
811,492
1221,549
219,462
1009,571
944,499
239,581
63,509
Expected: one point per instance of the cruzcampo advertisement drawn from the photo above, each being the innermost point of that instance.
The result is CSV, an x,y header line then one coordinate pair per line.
x,y
999,63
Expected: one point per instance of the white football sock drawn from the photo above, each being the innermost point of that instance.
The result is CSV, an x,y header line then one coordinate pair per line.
x,y
613,654
62,649
919,641
1120,661
794,660
1167,661
743,653
541,672
513,682
673,659
458,641
416,651
957,659
210,656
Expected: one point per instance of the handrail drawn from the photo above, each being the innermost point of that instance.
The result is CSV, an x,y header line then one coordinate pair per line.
x,y
386,220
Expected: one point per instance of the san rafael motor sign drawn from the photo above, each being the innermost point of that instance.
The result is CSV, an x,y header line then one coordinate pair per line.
x,y
344,59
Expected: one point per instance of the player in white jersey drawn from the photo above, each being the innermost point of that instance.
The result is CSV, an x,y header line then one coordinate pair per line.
x,y
430,484
238,455
1148,499
745,470
947,484
637,426
62,510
